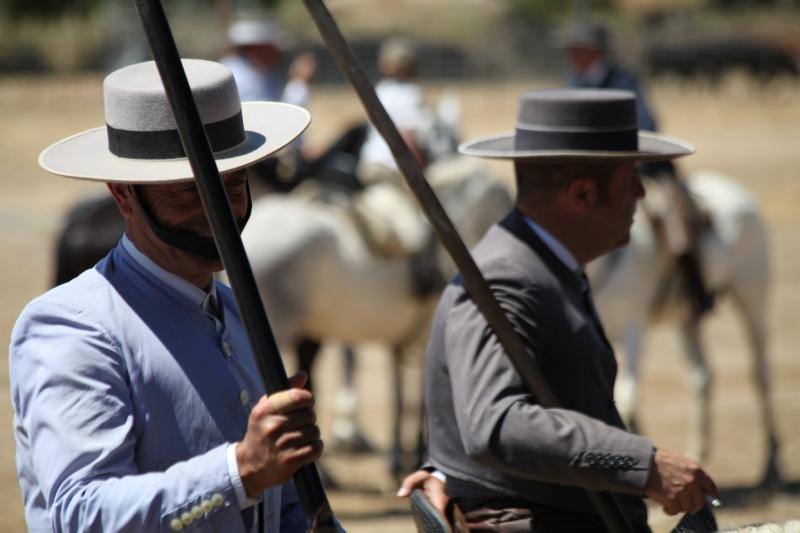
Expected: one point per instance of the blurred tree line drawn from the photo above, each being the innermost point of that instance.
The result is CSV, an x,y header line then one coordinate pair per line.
x,y
49,9
531,9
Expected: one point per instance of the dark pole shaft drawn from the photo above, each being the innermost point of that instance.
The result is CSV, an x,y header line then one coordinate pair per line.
x,y
226,234
475,283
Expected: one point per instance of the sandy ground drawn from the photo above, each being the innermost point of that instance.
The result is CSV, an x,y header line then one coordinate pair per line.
x,y
748,132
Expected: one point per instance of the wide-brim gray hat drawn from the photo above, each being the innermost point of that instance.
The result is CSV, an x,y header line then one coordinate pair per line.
x,y
140,142
580,124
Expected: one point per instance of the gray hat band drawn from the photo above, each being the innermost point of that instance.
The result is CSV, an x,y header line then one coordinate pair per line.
x,y
606,141
166,144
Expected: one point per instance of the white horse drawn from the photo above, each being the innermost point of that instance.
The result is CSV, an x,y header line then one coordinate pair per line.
x,y
319,279
638,285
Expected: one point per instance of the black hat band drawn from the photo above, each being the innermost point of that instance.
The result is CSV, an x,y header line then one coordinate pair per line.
x,y
166,144
610,141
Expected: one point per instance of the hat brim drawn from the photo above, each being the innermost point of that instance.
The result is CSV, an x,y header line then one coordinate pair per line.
x,y
652,147
269,126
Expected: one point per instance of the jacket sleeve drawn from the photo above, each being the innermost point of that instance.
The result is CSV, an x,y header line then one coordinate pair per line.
x,y
76,437
499,422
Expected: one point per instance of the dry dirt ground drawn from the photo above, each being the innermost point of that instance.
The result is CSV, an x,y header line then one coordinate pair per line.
x,y
748,132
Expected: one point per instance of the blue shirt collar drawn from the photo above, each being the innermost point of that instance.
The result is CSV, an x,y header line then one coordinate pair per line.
x,y
193,293
555,246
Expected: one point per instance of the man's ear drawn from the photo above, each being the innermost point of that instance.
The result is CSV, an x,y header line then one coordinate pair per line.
x,y
123,196
582,194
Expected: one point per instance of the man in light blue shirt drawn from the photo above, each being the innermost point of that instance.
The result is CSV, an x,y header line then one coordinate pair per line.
x,y
138,403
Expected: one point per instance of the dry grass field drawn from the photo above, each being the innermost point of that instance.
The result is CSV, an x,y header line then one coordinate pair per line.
x,y
746,131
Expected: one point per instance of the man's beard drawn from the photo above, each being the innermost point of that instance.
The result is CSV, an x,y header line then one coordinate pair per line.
x,y
186,240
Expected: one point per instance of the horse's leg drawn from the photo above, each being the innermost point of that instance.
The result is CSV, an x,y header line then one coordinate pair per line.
x,y
396,457
422,439
307,350
756,329
627,386
347,435
700,382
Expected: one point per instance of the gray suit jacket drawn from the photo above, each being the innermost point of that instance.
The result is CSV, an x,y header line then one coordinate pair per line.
x,y
485,431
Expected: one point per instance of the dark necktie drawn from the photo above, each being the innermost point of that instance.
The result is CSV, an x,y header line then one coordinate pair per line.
x,y
214,311
248,517
586,291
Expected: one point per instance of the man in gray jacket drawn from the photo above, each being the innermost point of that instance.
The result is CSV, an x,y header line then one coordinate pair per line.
x,y
510,464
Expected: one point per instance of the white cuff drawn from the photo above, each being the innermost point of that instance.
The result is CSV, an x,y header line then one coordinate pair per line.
x,y
438,474
233,473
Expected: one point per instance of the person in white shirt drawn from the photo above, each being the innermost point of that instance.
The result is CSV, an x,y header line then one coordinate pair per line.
x,y
393,222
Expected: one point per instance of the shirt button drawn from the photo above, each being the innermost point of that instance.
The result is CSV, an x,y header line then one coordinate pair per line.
x,y
217,500
226,348
207,506
187,519
197,512
244,397
176,524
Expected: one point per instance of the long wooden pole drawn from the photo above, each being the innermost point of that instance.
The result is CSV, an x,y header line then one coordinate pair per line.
x,y
523,362
226,234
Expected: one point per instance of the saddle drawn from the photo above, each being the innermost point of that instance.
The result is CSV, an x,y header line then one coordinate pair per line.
x,y
428,519
679,220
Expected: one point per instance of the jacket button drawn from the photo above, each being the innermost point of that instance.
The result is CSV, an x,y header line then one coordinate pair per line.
x,y
217,500
207,506
175,524
187,519
197,512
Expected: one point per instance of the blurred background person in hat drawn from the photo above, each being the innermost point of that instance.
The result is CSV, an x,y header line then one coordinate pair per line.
x,y
257,51
137,399
589,50
510,463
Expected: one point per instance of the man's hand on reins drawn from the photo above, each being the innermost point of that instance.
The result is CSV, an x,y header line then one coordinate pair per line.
x,y
432,486
678,483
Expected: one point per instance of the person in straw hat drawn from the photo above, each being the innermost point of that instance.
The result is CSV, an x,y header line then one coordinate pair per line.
x,y
510,464
137,400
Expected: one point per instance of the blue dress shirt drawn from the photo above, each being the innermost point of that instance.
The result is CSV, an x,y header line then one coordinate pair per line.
x,y
127,397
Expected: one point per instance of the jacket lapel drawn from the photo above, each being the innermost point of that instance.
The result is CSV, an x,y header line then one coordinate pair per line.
x,y
515,223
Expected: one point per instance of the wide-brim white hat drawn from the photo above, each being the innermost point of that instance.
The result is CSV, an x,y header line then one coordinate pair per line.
x,y
140,143
583,124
